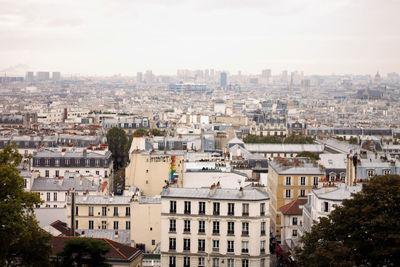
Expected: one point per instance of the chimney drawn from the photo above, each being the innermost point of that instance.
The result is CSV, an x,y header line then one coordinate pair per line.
x,y
213,188
241,192
116,234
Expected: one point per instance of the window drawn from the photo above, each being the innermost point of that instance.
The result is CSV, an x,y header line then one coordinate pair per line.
x,y
245,263
127,211
302,180
67,162
231,245
90,224
25,183
48,196
103,224
90,211
186,261
262,228
57,173
245,209
262,263
172,243
47,173
187,207
103,211
262,209
288,180
77,162
172,225
115,211
315,181
215,228
201,262
76,224
294,232
245,228
172,261
294,221
262,246
46,162
202,208
287,193
172,207
215,208
245,246
215,245
87,162
215,262
202,227
302,193
201,245
97,163
57,162
115,225
231,228
186,226
55,196
231,209
97,172
386,171
186,244
128,225
230,263
76,211
325,206
370,173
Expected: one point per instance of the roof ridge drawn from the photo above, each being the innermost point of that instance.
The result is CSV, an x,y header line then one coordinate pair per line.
x,y
119,252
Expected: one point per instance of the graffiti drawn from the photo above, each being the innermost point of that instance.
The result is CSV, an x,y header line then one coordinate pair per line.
x,y
172,169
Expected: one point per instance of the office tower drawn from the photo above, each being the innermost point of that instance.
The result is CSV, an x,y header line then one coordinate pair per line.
x,y
148,77
56,76
266,73
284,76
43,75
29,76
139,77
223,80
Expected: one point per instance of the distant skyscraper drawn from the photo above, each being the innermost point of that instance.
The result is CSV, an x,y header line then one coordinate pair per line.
x,y
56,76
148,77
284,77
266,73
29,76
223,80
43,75
139,77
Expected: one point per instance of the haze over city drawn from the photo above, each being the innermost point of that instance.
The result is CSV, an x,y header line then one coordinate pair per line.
x,y
123,37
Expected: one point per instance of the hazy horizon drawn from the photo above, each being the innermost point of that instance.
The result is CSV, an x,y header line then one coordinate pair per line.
x,y
124,37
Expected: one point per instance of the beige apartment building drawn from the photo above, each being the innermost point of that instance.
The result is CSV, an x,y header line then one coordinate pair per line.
x,y
146,225
150,170
289,179
101,212
213,227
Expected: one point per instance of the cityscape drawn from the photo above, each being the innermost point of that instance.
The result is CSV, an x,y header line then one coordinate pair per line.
x,y
154,163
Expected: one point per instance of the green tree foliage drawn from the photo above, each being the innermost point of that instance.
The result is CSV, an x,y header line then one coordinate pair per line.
x,y
141,132
117,140
262,139
308,154
22,241
83,251
298,139
156,132
364,231
353,140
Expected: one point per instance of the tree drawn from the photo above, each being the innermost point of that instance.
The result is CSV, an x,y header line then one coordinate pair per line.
x,y
363,231
22,241
156,132
262,139
84,251
141,132
298,139
308,154
117,139
353,140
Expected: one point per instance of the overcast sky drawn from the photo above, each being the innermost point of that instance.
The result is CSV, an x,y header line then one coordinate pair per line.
x,y
126,36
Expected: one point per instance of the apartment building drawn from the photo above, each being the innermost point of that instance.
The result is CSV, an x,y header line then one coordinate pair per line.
x,y
56,162
289,179
101,212
214,227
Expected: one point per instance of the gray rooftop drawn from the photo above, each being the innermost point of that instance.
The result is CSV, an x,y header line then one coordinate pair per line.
x,y
284,148
50,184
342,192
249,194
102,200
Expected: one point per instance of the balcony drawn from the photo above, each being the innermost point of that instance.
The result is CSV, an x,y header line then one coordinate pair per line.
x,y
172,230
231,232
245,233
215,232
245,214
186,212
172,211
245,251
216,212
215,249
262,251
262,232
230,250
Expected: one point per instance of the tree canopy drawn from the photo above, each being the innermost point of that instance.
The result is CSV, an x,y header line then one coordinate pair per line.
x,y
363,231
117,140
262,139
156,132
84,251
298,139
141,132
22,241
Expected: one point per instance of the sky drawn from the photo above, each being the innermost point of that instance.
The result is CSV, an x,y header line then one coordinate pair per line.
x,y
97,37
